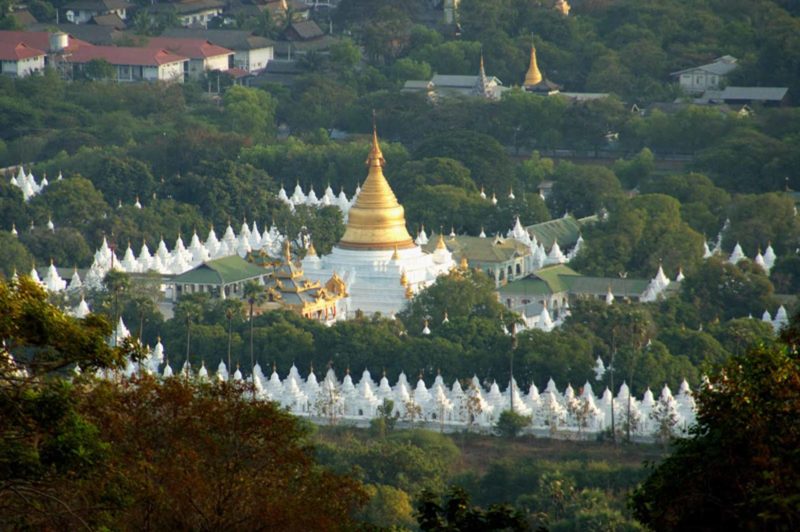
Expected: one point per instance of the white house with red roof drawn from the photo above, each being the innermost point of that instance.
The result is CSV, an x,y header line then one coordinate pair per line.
x,y
134,64
203,55
20,60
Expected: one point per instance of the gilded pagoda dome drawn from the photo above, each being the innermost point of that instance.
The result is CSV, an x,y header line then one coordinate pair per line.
x,y
377,220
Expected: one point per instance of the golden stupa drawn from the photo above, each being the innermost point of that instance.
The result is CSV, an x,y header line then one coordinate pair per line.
x,y
377,220
533,77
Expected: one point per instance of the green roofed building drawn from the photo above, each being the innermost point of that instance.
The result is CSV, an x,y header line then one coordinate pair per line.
x,y
564,230
503,259
221,278
554,286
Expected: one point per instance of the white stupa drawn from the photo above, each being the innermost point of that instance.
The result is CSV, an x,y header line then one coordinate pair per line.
x,y
379,262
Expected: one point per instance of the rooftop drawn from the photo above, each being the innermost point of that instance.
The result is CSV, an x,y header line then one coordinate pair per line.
x,y
479,249
15,52
97,5
232,39
124,55
192,48
563,230
222,271
720,66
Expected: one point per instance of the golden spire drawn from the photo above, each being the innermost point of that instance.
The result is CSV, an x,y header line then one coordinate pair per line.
x,y
312,252
464,263
377,220
403,279
533,77
409,292
395,255
287,251
440,243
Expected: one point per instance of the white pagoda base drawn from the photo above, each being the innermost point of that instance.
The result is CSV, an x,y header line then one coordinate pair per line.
x,y
373,276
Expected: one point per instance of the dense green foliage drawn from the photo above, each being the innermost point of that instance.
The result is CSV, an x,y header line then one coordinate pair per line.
x,y
744,448
141,454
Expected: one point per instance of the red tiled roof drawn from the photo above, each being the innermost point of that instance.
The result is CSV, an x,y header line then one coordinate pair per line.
x,y
15,52
192,48
38,39
124,55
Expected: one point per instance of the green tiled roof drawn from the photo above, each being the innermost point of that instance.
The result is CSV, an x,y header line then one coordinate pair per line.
x,y
599,285
564,230
554,276
221,271
477,249
527,286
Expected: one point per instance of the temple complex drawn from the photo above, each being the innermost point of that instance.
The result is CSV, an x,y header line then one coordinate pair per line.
x,y
378,261
535,81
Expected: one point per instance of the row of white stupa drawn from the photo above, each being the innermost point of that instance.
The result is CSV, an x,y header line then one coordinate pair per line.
x,y
27,183
165,261
780,320
329,198
765,260
453,406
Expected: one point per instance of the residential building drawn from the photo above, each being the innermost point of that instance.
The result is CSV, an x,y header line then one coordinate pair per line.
x,y
251,52
203,55
191,13
83,11
20,60
713,75
133,64
744,96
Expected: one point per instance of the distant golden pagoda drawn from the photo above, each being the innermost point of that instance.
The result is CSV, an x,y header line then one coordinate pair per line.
x,y
533,77
562,6
377,221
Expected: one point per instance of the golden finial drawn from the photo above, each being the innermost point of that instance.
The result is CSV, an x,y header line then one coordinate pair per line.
x,y
375,157
440,243
287,251
312,252
533,77
395,255
464,263
409,292
563,7
403,279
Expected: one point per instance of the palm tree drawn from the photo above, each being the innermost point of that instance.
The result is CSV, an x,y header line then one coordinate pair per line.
x,y
253,293
116,283
232,308
190,310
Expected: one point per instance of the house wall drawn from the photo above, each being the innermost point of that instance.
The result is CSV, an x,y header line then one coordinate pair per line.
x,y
202,18
171,72
219,62
699,80
23,67
82,17
254,60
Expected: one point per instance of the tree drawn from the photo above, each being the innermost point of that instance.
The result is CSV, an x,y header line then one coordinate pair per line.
x,y
722,291
253,293
510,424
14,256
99,69
455,512
44,438
431,171
117,284
188,455
743,447
189,310
584,190
485,158
250,112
